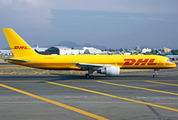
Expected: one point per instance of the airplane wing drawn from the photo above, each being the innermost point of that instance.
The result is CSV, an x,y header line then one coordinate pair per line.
x,y
17,60
86,66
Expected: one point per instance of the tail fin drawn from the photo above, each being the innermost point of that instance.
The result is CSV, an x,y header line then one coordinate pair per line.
x,y
18,46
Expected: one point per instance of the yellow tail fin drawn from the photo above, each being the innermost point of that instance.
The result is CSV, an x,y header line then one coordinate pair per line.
x,y
18,46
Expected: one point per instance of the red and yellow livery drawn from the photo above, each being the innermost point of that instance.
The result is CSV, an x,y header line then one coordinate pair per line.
x,y
105,64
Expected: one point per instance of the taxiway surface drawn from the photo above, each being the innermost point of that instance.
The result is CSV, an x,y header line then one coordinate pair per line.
x,y
131,96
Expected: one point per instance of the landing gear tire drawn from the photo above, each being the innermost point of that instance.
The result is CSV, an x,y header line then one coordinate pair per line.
x,y
91,77
87,76
154,76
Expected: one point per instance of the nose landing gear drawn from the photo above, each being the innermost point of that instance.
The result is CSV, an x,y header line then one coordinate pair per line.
x,y
156,72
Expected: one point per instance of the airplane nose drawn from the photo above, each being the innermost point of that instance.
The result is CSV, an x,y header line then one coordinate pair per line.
x,y
170,64
174,64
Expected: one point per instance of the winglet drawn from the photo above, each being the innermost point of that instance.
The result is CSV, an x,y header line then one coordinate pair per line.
x,y
18,46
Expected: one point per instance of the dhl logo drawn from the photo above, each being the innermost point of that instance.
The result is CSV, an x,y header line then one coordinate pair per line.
x,y
139,62
21,47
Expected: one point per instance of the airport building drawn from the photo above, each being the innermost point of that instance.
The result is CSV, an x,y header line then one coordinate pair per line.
x,y
166,50
92,51
144,50
39,50
62,50
6,52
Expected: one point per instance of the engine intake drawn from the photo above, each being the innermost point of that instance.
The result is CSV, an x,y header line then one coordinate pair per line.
x,y
110,71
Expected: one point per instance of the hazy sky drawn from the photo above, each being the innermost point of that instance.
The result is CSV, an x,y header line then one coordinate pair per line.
x,y
113,23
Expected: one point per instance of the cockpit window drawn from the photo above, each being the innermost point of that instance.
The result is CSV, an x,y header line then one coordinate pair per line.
x,y
169,61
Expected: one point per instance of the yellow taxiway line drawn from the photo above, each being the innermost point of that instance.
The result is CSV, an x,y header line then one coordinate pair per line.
x,y
138,88
161,83
56,103
113,96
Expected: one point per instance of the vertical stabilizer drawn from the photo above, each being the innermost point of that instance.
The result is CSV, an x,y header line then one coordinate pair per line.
x,y
18,46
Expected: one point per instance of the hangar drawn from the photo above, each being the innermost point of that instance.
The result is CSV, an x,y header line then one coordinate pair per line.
x,y
62,50
92,51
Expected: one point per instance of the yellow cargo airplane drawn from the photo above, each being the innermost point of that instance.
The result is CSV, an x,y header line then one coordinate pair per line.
x,y
104,64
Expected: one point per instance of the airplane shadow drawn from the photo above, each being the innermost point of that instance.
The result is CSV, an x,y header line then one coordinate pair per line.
x,y
59,77
98,77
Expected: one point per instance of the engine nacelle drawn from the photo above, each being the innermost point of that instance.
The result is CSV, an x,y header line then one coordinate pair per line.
x,y
110,71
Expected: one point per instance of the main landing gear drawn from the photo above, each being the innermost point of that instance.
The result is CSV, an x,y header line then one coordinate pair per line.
x,y
90,74
87,76
156,72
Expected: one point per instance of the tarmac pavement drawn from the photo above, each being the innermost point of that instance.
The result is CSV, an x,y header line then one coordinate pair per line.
x,y
131,96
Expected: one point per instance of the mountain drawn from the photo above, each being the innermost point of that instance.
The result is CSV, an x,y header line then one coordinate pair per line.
x,y
73,45
68,44
95,46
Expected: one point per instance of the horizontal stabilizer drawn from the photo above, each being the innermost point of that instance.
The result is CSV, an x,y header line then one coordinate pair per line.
x,y
17,60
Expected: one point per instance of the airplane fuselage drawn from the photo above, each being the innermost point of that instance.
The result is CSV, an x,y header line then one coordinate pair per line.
x,y
67,62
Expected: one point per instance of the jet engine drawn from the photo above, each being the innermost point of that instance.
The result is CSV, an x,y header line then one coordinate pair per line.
x,y
110,70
